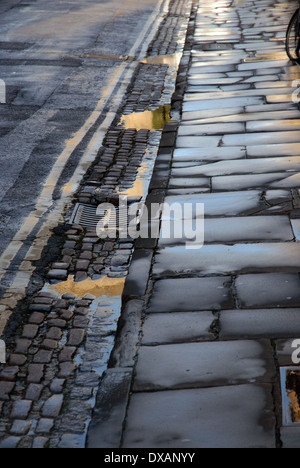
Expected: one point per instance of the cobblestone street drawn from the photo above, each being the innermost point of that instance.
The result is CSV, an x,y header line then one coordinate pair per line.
x,y
165,342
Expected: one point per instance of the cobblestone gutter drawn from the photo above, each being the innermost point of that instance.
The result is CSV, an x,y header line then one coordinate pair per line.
x,y
59,339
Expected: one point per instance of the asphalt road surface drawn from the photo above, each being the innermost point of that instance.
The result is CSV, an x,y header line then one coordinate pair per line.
x,y
66,66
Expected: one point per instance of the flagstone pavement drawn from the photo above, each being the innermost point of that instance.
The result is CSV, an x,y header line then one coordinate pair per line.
x,y
220,323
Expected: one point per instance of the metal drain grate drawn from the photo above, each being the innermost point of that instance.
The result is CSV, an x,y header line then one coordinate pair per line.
x,y
85,215
91,217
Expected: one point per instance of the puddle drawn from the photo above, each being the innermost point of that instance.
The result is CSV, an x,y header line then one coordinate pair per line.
x,y
138,189
148,120
170,60
103,287
290,386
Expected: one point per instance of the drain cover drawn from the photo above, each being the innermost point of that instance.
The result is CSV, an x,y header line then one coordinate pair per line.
x,y
106,216
85,215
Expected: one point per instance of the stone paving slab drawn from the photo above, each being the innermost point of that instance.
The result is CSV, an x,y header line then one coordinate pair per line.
x,y
178,327
264,138
272,323
234,230
231,416
271,289
273,180
209,154
192,106
203,293
203,365
224,259
221,204
244,166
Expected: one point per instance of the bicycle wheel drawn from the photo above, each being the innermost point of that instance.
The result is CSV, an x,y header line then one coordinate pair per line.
x,y
293,38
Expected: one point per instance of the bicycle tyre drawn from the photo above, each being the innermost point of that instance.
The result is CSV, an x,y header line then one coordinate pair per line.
x,y
293,39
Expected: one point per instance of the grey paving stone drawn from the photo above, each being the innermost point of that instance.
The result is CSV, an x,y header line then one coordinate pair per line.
x,y
171,295
44,426
178,327
138,277
209,104
71,441
239,167
273,150
238,229
223,417
105,430
52,406
264,138
190,365
252,181
214,113
189,182
20,427
198,141
210,129
272,323
277,125
225,259
290,437
219,204
208,154
10,442
285,349
21,409
39,442
268,290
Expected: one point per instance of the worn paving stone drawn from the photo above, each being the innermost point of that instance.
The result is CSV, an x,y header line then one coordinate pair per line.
x,y
52,406
264,138
208,154
221,259
10,442
34,391
44,426
218,204
76,337
203,365
272,323
268,290
244,182
35,373
21,409
273,150
234,230
5,389
171,295
239,167
20,427
209,104
210,129
178,327
233,416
